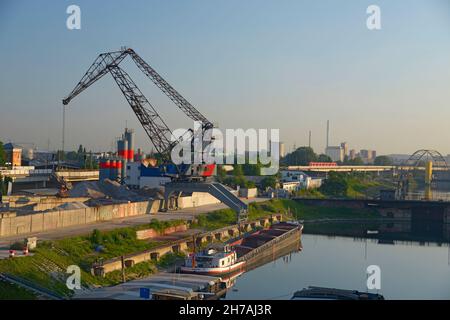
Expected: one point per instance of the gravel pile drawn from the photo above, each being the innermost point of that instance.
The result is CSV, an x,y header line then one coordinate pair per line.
x,y
108,189
71,206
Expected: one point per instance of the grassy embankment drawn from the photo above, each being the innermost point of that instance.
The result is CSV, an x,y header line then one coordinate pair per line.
x,y
47,266
349,186
366,187
12,292
291,208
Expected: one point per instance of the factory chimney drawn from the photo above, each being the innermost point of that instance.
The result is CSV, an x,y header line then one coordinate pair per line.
x,y
309,144
328,133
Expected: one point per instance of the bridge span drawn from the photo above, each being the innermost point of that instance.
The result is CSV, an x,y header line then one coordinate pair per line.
x,y
30,174
363,168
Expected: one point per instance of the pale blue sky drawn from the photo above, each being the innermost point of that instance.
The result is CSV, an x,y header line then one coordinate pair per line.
x,y
261,64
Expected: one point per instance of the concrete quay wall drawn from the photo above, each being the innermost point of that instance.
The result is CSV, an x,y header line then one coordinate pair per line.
x,y
12,224
181,246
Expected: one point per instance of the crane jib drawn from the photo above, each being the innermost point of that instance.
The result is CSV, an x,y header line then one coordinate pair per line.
x,y
155,127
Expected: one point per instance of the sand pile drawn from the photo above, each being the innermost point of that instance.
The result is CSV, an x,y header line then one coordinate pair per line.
x,y
107,189
155,193
71,206
87,189
115,190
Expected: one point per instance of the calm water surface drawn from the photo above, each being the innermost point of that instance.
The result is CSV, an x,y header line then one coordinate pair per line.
x,y
409,270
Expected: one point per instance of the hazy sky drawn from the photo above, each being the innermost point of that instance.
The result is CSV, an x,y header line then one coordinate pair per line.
x,y
244,64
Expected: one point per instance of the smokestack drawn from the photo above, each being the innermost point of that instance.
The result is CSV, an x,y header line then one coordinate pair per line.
x,y
309,139
328,133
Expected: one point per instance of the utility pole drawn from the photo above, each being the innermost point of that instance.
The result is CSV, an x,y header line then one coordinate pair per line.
x,y
63,135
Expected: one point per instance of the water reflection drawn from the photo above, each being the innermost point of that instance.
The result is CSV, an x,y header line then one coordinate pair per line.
x,y
438,191
386,232
414,261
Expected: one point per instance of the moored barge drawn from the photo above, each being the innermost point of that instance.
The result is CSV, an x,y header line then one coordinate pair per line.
x,y
245,253
213,261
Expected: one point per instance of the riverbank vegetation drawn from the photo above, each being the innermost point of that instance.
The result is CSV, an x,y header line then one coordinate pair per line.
x,y
47,264
291,209
353,185
10,291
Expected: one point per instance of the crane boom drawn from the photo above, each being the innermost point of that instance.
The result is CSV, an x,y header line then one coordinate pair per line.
x,y
155,127
173,94
100,67
97,70
157,130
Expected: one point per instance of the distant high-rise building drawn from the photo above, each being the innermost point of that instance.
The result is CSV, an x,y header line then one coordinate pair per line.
x,y
368,156
344,145
335,153
282,150
352,154
13,154
364,154
328,133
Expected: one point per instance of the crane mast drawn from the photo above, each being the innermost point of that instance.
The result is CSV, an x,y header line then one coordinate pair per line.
x,y
153,124
186,178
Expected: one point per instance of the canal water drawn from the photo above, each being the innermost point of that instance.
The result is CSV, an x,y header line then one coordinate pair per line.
x,y
409,269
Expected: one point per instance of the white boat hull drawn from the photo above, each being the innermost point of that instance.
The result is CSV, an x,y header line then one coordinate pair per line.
x,y
215,270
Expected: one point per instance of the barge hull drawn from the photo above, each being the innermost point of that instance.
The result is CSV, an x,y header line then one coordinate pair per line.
x,y
282,238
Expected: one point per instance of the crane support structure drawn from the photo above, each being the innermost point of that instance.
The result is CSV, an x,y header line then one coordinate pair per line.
x,y
187,178
217,190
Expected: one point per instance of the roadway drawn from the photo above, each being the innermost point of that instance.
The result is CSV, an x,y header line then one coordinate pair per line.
x,y
184,214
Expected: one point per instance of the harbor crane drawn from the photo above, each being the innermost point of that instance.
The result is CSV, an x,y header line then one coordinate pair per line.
x,y
184,177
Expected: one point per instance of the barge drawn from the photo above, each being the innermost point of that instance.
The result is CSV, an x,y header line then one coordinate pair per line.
x,y
213,261
266,244
319,293
246,253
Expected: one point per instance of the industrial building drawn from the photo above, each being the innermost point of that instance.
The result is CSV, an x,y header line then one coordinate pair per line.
x,y
303,180
140,175
13,154
282,150
368,156
115,167
336,153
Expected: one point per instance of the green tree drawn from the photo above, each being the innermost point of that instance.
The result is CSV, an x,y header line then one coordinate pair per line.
x,y
269,181
324,158
300,157
237,170
335,185
72,155
221,173
383,161
251,169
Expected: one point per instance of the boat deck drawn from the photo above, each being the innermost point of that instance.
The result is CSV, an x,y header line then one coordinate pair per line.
x,y
263,238
182,286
